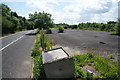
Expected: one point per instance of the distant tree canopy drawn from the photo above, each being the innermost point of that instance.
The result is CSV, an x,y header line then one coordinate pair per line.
x,y
42,20
110,26
12,22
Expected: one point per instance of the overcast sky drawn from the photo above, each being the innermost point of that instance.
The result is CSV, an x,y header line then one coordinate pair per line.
x,y
68,11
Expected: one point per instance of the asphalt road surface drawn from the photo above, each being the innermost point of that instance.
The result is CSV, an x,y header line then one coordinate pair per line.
x,y
79,41
16,55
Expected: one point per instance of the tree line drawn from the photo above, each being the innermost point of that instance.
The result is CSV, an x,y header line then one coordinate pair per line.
x,y
111,26
12,22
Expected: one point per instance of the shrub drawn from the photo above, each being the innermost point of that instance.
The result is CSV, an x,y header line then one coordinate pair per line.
x,y
46,44
38,70
36,52
79,73
37,31
111,56
61,30
49,31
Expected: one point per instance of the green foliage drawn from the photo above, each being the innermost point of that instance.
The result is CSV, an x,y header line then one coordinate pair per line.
x,y
84,59
45,41
38,70
49,31
110,26
60,29
42,20
7,26
107,69
29,25
111,56
12,22
36,52
5,10
79,73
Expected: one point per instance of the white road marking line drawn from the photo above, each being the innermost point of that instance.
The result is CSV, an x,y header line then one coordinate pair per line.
x,y
11,43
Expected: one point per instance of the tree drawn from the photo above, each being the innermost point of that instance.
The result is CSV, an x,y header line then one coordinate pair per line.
x,y
15,14
11,22
7,26
5,10
42,20
30,25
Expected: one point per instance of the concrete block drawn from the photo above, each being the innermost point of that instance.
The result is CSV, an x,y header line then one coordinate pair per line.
x,y
58,63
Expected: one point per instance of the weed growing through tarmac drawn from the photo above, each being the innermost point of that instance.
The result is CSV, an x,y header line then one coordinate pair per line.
x,y
107,69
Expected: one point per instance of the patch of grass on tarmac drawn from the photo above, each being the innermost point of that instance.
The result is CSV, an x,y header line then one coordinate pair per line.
x,y
107,69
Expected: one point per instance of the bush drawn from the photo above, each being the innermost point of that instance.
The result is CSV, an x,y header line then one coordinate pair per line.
x,y
61,30
36,52
45,41
49,31
38,70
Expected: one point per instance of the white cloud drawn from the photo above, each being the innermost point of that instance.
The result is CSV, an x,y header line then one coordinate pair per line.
x,y
42,5
78,11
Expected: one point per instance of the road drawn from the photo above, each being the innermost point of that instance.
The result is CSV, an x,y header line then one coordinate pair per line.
x,y
79,41
16,55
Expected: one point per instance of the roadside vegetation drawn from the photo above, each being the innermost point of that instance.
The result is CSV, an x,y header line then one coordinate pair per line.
x,y
42,43
111,26
105,67
12,22
48,31
60,29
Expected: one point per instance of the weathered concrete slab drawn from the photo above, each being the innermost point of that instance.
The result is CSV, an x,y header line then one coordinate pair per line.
x,y
54,55
58,64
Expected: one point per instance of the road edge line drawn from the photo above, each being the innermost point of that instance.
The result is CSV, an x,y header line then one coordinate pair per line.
x,y
10,43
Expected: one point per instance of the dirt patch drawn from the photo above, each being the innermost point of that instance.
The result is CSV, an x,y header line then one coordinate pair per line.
x,y
92,69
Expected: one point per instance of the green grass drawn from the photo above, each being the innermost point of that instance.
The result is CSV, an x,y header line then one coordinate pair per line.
x,y
108,69
114,33
38,71
45,41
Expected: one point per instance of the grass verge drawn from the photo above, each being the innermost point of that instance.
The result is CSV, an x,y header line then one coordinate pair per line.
x,y
38,71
